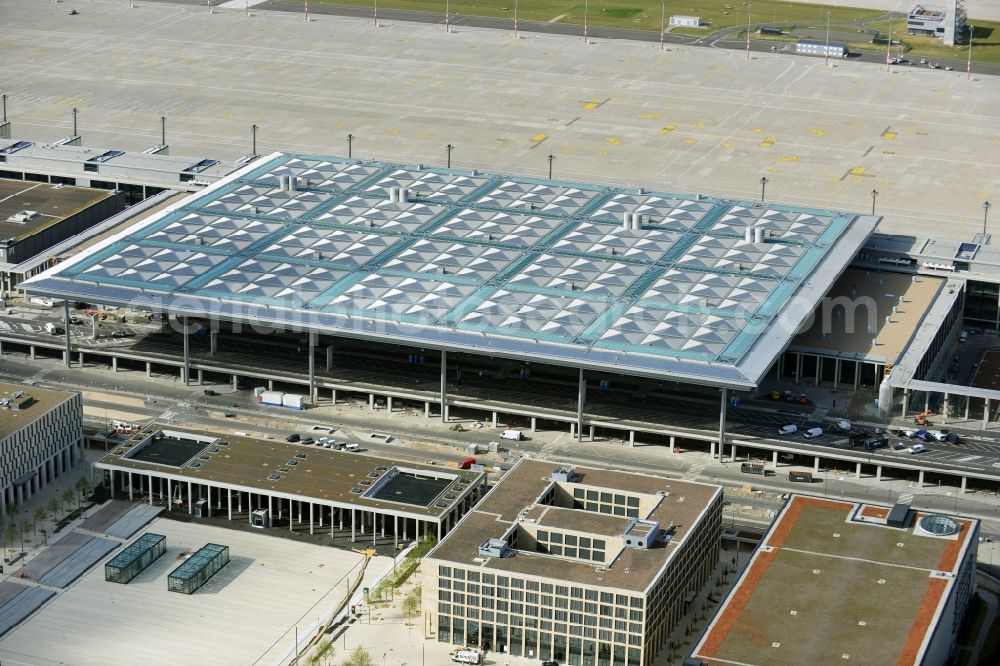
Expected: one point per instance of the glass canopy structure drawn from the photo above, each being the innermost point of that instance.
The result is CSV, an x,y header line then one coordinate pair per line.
x,y
691,288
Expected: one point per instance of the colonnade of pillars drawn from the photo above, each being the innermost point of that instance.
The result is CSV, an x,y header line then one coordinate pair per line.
x,y
49,470
206,501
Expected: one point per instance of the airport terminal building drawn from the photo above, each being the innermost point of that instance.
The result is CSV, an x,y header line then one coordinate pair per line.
x,y
532,302
577,565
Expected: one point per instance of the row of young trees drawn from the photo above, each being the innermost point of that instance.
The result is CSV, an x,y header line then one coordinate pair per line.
x,y
323,654
16,529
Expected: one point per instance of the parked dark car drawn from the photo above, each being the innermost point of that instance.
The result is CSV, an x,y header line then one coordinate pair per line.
x,y
953,438
307,441
294,437
210,392
923,436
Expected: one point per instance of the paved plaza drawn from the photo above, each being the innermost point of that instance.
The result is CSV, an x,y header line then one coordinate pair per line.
x,y
692,120
246,613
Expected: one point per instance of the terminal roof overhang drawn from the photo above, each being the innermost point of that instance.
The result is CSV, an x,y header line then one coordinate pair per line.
x,y
483,263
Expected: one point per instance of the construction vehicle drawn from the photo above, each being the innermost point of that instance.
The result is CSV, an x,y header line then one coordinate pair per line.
x,y
921,418
802,476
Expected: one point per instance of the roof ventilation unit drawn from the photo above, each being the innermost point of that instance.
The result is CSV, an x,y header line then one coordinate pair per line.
x,y
758,234
563,474
642,534
493,548
23,216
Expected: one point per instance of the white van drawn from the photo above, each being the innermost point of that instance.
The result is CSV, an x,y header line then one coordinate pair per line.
x,y
354,448
54,329
516,435
43,301
812,432
467,656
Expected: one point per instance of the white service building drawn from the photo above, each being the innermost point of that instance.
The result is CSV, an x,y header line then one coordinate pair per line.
x,y
685,21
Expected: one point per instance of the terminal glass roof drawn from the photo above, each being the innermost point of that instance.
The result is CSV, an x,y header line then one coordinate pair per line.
x,y
507,265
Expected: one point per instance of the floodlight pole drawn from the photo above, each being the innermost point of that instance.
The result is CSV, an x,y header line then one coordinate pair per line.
x,y
163,130
888,46
763,184
4,108
586,15
874,196
376,13
748,31
663,13
968,64
253,135
449,148
75,112
210,10
515,19
986,213
447,11
826,50
307,9
350,139
551,159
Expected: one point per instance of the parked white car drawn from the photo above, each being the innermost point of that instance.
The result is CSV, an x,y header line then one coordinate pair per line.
x,y
844,425
916,448
812,432
788,429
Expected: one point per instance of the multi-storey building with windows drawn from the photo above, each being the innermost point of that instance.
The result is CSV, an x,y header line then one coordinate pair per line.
x,y
579,565
41,437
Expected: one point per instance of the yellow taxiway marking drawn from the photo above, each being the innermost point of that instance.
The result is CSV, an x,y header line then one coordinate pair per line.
x,y
729,145
538,138
757,130
818,132
768,142
888,135
392,131
698,124
689,141
590,106
647,116
789,158
858,171
613,141
668,129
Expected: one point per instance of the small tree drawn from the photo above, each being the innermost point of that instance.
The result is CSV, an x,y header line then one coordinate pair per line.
x,y
12,510
83,488
53,507
411,606
67,498
11,535
40,515
359,657
322,654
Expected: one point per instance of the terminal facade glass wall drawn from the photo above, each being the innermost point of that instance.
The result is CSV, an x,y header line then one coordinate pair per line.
x,y
982,304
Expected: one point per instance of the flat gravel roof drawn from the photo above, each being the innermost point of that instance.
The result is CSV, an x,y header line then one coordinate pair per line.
x,y
834,572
